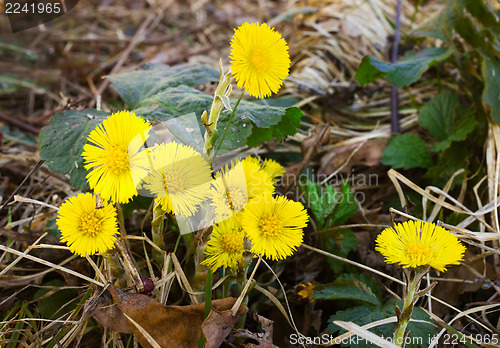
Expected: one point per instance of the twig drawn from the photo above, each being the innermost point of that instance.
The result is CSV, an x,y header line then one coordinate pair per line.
x,y
19,124
38,165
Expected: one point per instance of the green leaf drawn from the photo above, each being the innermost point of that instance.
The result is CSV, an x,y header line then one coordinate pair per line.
x,y
349,287
349,241
61,142
441,25
330,207
403,73
52,229
54,305
446,119
346,208
182,100
136,86
491,74
339,242
482,11
452,159
421,333
406,151
288,125
137,202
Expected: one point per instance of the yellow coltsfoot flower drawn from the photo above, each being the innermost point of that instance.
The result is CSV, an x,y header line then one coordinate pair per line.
x,y
180,178
274,225
259,59
86,227
412,244
235,186
273,168
226,245
112,155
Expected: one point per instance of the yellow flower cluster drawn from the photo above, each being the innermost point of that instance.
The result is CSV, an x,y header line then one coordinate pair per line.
x,y
180,178
177,175
243,195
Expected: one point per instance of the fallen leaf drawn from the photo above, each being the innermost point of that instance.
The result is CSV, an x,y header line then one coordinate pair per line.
x,y
218,325
255,337
109,315
369,155
451,291
168,326
267,326
264,339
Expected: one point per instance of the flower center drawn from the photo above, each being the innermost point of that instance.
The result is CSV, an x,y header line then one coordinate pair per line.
x,y
258,59
235,198
420,253
117,158
231,243
90,224
270,226
174,181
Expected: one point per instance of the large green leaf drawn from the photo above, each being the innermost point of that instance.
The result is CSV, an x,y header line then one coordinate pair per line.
x,y
61,142
406,151
288,125
182,100
403,73
446,119
136,86
491,74
359,288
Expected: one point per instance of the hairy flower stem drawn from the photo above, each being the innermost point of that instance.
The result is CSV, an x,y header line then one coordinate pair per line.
x,y
411,295
221,100
157,226
229,122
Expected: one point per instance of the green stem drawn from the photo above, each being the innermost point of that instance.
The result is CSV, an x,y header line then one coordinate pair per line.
x,y
228,123
177,243
157,226
208,302
413,279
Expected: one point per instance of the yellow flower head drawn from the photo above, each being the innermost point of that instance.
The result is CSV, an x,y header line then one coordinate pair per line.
x,y
113,156
269,166
180,178
259,59
413,244
305,291
234,187
274,225
86,228
226,245
273,168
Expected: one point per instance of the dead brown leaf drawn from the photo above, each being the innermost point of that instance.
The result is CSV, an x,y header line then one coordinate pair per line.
x,y
169,326
369,155
451,291
218,324
109,315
